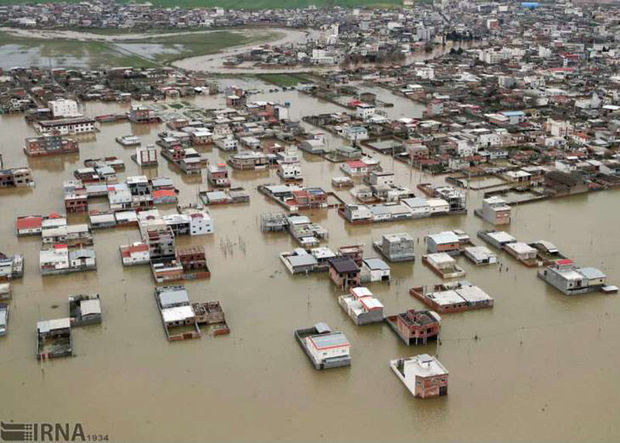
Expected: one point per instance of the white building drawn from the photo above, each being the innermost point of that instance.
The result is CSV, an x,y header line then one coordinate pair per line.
x,y
422,374
227,143
146,155
201,222
54,259
365,111
64,108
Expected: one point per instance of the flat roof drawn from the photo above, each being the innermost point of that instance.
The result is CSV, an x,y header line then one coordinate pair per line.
x,y
302,260
445,298
521,248
49,325
444,237
473,294
501,237
178,313
330,340
173,296
90,306
440,258
376,263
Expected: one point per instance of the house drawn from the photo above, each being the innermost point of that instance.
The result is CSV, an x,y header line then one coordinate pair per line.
x,y
212,314
4,319
72,235
363,111
194,262
84,309
54,339
145,156
325,348
443,265
11,267
497,239
16,177
290,172
494,210
422,374
344,272
355,168
361,306
522,252
396,247
299,261
5,291
228,143
178,316
375,269
50,144
136,253
354,252
570,279
480,255
453,297
217,175
447,241
66,126
415,327
64,108
29,225
355,133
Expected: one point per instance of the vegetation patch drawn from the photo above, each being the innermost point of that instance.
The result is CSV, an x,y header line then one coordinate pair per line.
x,y
284,80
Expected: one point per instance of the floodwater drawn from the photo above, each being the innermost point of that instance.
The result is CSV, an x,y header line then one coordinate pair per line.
x,y
538,366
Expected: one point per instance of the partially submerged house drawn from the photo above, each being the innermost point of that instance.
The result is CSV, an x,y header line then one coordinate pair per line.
x,y
362,306
11,267
396,247
453,297
443,264
374,269
547,252
4,319
177,315
422,374
567,277
415,327
325,348
450,242
344,272
480,255
84,309
54,339
211,314
494,210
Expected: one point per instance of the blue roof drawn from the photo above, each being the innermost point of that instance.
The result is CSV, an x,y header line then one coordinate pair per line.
x,y
591,273
512,113
329,340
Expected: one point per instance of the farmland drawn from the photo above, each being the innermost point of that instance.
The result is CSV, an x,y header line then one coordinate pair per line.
x,y
141,51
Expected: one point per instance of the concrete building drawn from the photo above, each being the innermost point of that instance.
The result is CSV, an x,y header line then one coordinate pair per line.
x,y
344,272
565,276
64,108
396,247
415,327
361,305
422,374
495,211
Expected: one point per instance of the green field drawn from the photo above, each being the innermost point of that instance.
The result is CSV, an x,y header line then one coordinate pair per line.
x,y
247,4
286,80
139,52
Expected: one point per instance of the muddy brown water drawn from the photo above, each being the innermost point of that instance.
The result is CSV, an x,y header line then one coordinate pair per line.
x,y
543,365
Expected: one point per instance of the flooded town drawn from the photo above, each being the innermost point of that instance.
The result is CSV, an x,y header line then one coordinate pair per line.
x,y
330,221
